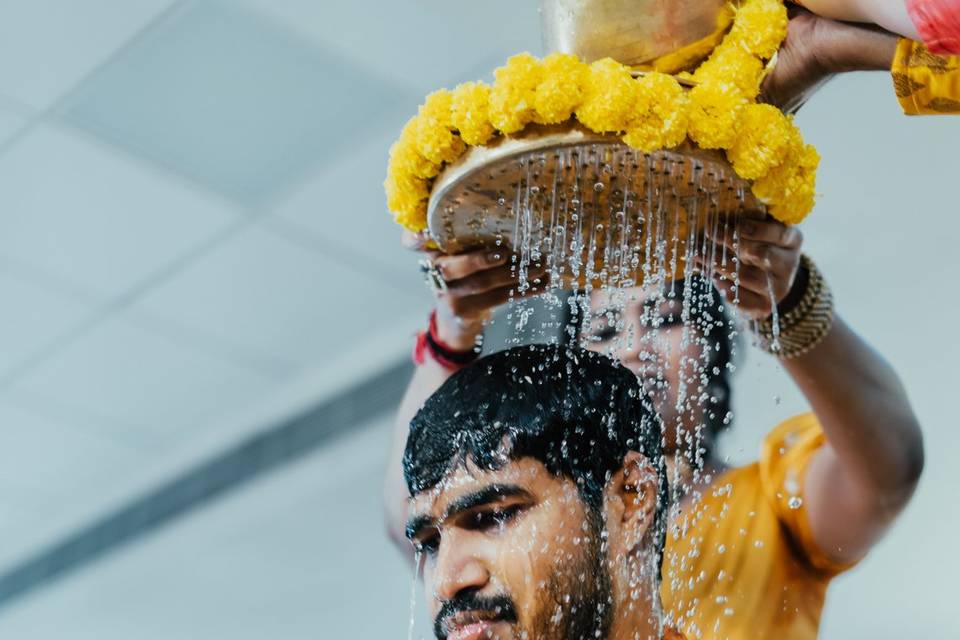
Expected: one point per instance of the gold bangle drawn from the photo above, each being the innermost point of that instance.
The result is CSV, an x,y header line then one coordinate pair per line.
x,y
806,325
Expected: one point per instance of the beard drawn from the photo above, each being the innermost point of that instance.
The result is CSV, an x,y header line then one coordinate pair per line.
x,y
577,601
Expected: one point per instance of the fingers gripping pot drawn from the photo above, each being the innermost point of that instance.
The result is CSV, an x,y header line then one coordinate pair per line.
x,y
609,172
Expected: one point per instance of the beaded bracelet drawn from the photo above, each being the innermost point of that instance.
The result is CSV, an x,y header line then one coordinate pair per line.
x,y
805,324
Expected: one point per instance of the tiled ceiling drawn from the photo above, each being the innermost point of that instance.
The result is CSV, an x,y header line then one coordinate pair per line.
x,y
75,207
425,43
235,102
48,46
233,292
192,223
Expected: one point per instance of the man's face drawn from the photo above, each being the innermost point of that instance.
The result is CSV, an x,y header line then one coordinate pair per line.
x,y
510,554
646,334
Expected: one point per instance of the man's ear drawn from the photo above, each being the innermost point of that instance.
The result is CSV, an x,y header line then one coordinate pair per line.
x,y
636,486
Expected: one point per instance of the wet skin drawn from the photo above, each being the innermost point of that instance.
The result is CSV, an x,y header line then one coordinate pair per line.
x,y
514,553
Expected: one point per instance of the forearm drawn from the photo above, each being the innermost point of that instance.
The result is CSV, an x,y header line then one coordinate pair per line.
x,y
864,48
865,414
888,14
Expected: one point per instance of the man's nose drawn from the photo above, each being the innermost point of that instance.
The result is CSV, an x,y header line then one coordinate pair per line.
x,y
458,568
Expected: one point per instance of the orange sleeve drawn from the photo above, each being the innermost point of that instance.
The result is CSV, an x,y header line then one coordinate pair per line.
x,y
925,83
786,452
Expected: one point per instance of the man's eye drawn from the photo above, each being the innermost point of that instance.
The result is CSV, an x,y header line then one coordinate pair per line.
x,y
428,545
485,520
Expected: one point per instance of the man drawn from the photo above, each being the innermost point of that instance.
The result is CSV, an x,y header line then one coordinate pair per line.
x,y
539,500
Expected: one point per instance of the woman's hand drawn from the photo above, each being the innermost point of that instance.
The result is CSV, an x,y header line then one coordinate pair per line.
x,y
769,256
477,282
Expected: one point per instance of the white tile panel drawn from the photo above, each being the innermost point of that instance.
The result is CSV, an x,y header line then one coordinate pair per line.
x,y
78,209
345,207
232,99
425,43
33,317
50,472
299,554
58,459
11,121
278,297
46,46
164,390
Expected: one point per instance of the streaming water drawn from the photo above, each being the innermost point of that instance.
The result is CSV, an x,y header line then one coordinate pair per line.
x,y
649,248
417,563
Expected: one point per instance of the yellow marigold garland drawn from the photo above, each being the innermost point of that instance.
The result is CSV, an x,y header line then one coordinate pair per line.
x,y
736,66
436,140
653,112
610,99
561,90
788,190
471,113
514,93
765,138
661,116
759,27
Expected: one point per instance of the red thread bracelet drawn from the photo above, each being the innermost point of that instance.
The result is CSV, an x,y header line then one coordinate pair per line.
x,y
441,353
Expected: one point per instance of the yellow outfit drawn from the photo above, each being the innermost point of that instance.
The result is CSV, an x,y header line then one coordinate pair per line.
x,y
742,564
925,83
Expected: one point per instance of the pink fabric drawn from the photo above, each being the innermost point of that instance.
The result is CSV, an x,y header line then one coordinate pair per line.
x,y
938,22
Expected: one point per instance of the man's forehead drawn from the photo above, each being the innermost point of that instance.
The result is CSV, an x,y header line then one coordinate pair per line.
x,y
467,478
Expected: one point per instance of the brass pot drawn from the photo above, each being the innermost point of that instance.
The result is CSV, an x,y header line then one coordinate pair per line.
x,y
633,32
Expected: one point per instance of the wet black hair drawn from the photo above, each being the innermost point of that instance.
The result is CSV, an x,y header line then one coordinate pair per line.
x,y
577,412
709,315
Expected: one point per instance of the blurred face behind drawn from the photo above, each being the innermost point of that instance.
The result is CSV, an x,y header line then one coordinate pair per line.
x,y
516,554
645,333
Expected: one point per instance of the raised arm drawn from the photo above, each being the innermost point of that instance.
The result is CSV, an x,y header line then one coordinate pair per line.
x,y
863,476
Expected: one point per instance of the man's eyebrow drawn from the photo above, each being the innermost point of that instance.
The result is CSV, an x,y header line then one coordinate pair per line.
x,y
487,495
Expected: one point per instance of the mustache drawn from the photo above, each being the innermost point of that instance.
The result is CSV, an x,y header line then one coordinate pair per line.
x,y
499,607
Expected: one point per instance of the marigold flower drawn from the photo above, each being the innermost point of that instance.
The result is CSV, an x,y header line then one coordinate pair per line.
x,y
764,138
513,96
407,199
734,64
404,155
661,117
435,138
714,110
789,190
610,97
560,91
760,27
470,113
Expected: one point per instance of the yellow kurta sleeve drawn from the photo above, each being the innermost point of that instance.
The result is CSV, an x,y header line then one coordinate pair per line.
x,y
784,458
925,83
